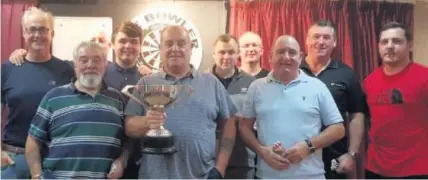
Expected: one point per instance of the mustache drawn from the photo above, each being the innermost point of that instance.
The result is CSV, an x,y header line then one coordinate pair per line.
x,y
175,54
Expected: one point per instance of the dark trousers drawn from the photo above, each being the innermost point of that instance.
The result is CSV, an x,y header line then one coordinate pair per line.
x,y
372,175
131,171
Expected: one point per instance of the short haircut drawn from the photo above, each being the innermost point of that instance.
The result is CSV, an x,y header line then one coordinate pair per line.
x,y
175,27
131,29
325,23
393,25
36,11
89,44
225,38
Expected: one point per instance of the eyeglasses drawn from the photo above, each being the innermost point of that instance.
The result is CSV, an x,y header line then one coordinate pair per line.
x,y
34,30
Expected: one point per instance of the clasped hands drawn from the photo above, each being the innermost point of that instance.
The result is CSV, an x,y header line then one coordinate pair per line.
x,y
280,158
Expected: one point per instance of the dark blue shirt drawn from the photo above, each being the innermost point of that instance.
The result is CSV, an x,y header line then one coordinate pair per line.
x,y
118,77
22,89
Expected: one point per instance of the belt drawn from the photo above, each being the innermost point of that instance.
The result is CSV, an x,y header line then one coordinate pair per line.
x,y
12,149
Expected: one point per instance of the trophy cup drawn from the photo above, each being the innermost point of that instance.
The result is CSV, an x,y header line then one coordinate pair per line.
x,y
156,98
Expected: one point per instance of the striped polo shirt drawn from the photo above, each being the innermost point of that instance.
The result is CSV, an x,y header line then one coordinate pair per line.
x,y
83,134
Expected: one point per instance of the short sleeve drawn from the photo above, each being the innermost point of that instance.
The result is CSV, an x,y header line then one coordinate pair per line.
x,y
135,105
356,98
329,112
248,106
40,124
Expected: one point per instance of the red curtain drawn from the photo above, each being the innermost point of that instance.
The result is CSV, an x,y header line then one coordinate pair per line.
x,y
11,31
358,24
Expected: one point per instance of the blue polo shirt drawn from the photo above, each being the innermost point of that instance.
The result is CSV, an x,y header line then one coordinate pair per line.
x,y
118,77
22,89
290,113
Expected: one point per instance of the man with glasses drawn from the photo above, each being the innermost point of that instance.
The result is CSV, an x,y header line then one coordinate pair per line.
x,y
22,88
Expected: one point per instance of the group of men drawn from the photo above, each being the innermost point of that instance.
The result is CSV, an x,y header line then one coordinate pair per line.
x,y
70,120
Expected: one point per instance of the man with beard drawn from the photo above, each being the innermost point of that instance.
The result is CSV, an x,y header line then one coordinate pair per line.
x,y
22,88
64,125
126,43
251,51
226,52
193,120
289,107
397,95
346,89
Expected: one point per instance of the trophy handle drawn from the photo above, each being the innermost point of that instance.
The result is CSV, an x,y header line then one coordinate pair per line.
x,y
126,91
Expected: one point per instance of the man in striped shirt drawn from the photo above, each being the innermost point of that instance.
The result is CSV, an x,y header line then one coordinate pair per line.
x,y
78,131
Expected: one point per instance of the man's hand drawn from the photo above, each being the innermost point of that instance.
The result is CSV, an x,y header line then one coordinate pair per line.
x,y
346,163
298,152
17,57
116,169
6,159
274,160
155,119
144,70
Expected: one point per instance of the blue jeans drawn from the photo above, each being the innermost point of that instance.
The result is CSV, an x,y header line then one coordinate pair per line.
x,y
19,170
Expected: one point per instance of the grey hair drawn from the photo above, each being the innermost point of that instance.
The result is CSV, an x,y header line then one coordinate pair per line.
x,y
36,11
89,44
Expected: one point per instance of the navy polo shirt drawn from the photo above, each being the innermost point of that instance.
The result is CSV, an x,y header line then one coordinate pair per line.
x,y
22,89
118,77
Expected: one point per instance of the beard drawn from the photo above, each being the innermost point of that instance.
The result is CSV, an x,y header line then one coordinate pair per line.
x,y
90,80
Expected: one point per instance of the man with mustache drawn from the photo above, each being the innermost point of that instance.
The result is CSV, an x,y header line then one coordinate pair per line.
x,y
62,140
289,107
22,88
344,85
397,95
126,43
251,50
226,53
193,121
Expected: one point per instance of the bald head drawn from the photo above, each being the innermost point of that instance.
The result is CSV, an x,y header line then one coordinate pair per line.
x,y
250,37
286,41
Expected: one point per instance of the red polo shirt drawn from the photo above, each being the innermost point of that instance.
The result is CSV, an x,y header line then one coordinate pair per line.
x,y
399,122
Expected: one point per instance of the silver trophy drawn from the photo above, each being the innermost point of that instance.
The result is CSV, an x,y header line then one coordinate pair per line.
x,y
156,98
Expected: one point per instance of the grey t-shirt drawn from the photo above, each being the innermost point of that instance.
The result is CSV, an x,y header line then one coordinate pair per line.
x,y
193,121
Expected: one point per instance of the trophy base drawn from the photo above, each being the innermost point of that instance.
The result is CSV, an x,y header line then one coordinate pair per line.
x,y
169,150
158,144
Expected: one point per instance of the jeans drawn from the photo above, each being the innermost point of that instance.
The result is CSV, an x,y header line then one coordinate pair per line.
x,y
19,170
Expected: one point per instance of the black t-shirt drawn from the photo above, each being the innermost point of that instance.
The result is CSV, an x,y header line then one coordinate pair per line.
x,y
263,73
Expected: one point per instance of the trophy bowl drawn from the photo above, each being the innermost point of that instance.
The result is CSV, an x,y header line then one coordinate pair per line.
x,y
156,98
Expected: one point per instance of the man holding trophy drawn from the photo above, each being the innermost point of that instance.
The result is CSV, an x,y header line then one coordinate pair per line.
x,y
192,105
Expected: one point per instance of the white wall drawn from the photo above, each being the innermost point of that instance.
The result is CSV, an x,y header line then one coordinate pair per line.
x,y
208,16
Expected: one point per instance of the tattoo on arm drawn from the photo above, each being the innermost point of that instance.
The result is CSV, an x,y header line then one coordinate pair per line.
x,y
226,144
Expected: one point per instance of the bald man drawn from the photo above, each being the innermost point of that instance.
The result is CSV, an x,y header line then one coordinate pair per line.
x,y
193,121
288,110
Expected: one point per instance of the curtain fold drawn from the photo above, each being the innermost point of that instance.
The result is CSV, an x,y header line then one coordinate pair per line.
x,y
11,31
358,24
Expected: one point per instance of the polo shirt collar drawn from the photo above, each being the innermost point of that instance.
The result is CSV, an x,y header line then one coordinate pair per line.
x,y
302,77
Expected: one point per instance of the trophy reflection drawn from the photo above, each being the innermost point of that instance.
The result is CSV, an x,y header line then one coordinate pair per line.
x,y
156,98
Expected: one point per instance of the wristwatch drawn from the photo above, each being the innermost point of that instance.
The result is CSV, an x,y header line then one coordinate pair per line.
x,y
310,146
353,154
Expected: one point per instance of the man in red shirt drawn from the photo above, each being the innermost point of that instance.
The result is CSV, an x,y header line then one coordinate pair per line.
x,y
397,95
